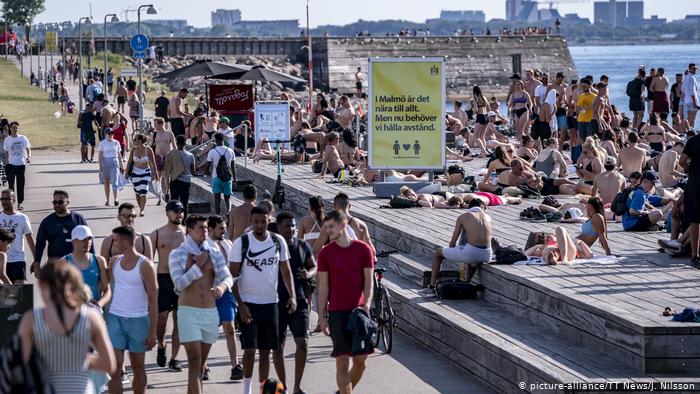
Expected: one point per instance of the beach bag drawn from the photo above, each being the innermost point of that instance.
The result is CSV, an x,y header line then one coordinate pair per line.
x,y
619,203
402,202
455,289
155,188
223,172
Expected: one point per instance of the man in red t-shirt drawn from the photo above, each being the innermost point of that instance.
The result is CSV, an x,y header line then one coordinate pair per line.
x,y
345,269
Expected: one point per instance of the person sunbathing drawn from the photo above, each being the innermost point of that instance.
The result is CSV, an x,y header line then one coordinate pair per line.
x,y
560,248
444,200
489,199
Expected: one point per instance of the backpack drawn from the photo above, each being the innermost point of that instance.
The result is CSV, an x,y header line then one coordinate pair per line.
x,y
245,245
454,289
509,254
309,284
535,238
619,203
223,172
402,202
80,120
630,89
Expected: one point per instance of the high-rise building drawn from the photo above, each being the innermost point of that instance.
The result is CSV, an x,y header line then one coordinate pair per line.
x,y
601,12
620,13
635,11
513,8
225,17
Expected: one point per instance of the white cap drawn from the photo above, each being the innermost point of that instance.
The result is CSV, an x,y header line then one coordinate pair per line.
x,y
572,214
491,113
81,233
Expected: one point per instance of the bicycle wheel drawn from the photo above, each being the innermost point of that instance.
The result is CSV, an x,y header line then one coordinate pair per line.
x,y
376,314
387,318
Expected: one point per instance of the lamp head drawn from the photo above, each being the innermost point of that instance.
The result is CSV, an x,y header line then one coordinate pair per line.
x,y
114,19
88,20
151,10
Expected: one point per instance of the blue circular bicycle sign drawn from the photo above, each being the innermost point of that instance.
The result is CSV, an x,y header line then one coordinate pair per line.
x,y
139,43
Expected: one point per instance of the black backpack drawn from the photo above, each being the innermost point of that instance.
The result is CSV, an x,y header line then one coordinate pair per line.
x,y
454,289
402,202
506,254
223,171
619,203
630,89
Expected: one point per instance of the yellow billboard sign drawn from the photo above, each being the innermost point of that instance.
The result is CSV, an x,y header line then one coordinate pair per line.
x,y
406,120
51,41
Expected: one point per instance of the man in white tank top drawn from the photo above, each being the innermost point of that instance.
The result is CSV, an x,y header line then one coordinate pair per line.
x,y
133,314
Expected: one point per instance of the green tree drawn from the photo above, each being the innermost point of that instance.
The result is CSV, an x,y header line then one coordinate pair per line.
x,y
22,12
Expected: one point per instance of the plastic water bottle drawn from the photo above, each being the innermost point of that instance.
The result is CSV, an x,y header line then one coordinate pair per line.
x,y
494,178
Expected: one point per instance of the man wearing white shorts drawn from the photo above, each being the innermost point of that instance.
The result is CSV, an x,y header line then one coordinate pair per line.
x,y
474,226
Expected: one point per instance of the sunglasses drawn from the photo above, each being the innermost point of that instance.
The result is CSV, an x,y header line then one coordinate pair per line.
x,y
58,202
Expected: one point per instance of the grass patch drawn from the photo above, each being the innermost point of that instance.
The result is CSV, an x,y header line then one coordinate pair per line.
x,y
31,107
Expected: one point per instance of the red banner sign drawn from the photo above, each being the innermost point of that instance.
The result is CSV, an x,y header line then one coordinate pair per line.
x,y
231,97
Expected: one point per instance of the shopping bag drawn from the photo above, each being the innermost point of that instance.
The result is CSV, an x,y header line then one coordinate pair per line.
x,y
155,189
121,181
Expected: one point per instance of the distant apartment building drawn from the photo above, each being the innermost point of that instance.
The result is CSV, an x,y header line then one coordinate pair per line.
x,y
513,8
225,17
289,27
622,13
467,16
175,24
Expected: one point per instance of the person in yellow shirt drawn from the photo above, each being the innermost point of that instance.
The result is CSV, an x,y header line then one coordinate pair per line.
x,y
584,108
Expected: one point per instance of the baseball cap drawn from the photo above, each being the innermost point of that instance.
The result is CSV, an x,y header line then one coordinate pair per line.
x,y
610,161
109,130
650,176
80,233
224,119
174,205
491,113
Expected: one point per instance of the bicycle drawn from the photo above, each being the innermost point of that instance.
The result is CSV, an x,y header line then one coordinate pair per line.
x,y
381,311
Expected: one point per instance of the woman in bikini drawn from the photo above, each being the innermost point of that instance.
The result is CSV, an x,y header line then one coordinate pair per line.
x,y
482,108
654,134
560,248
589,165
310,225
490,199
212,124
595,228
520,103
501,164
526,150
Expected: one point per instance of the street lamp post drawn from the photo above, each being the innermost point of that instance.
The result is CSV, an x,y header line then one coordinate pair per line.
x,y
44,28
29,42
88,21
7,44
63,52
114,19
151,10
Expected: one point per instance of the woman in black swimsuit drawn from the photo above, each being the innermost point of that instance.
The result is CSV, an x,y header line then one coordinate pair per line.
x,y
526,150
589,165
499,164
482,108
520,103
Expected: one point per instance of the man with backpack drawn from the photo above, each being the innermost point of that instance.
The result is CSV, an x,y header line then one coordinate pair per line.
x,y
86,120
257,259
303,265
220,162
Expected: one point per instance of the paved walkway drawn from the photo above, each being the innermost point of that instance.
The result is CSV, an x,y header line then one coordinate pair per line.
x,y
411,368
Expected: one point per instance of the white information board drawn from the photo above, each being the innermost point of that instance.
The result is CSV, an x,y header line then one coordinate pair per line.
x,y
272,120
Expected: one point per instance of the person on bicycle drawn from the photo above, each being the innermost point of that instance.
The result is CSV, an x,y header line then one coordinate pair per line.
x,y
303,266
345,282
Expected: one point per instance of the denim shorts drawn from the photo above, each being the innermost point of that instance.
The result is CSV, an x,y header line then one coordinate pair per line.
x,y
87,138
584,130
219,186
562,122
197,324
128,333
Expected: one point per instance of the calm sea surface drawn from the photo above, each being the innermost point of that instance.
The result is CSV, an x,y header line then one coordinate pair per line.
x,y
620,63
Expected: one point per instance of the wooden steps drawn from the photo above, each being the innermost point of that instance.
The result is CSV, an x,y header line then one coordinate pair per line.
x,y
500,347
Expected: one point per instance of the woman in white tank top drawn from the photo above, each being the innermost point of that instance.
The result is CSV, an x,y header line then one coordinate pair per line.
x,y
310,225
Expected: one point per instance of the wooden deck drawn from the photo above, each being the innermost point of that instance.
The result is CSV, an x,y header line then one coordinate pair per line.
x,y
614,308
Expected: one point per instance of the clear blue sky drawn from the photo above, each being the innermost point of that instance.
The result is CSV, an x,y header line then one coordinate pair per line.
x,y
198,13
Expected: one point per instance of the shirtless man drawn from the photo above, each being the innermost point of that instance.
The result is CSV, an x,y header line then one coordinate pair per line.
x,y
331,157
669,170
572,98
608,183
453,124
239,218
659,88
345,114
176,113
460,114
166,239
600,104
360,231
522,175
632,157
474,227
359,77
562,103
530,82
164,142
200,276
126,214
106,117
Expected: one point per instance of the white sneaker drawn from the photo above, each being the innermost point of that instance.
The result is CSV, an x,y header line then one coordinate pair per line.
x,y
672,245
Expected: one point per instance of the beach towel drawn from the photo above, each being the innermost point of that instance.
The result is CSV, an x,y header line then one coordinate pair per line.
x,y
592,260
